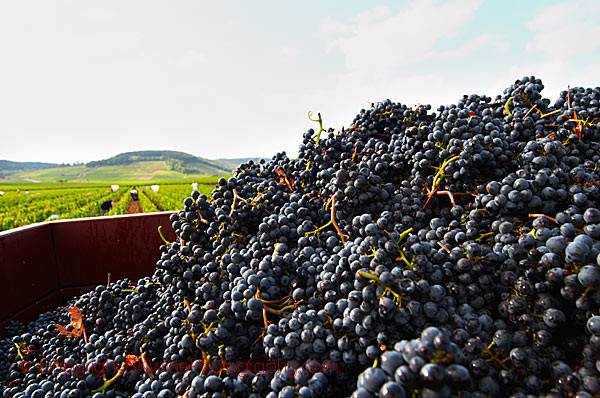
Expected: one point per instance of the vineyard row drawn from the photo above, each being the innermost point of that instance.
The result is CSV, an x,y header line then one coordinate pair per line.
x,y
23,209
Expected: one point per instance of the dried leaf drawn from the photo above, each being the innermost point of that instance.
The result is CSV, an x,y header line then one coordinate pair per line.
x,y
63,330
76,323
76,318
131,360
288,182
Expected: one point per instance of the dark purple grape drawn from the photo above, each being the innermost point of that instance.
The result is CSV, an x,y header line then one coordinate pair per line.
x,y
554,317
589,276
432,376
593,325
390,361
576,252
371,379
458,376
392,390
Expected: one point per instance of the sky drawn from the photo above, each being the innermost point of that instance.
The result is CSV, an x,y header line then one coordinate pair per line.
x,y
86,80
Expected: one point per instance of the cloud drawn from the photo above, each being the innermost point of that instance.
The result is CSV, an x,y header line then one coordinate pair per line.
x,y
464,51
430,51
563,49
562,30
415,55
380,41
189,59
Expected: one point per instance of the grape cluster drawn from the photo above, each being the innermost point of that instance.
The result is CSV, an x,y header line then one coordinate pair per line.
x,y
416,253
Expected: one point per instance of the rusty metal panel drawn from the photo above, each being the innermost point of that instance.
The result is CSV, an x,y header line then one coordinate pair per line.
x,y
28,270
125,246
42,264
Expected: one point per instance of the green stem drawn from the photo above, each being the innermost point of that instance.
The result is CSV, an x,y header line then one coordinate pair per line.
x,y
369,276
19,355
550,113
320,121
107,383
375,363
405,233
319,229
162,237
437,180
403,257
506,106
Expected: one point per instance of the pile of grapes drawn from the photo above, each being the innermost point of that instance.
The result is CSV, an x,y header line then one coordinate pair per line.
x,y
446,254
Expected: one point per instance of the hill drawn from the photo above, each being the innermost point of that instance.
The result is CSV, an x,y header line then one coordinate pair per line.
x,y
9,165
176,161
128,166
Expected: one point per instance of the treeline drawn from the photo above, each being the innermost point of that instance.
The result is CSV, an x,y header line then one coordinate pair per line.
x,y
180,166
10,165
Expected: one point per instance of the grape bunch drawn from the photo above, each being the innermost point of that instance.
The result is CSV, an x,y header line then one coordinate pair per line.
x,y
431,364
415,253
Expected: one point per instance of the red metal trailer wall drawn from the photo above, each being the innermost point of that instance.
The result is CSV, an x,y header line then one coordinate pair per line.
x,y
41,264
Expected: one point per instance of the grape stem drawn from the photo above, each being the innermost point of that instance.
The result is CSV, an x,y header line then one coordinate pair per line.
x,y
253,202
578,129
108,383
235,198
494,358
483,236
404,234
15,381
529,111
205,363
279,312
201,219
443,246
506,106
264,312
19,354
353,127
451,195
331,222
372,277
281,302
551,136
320,121
146,366
85,339
375,363
549,113
403,258
162,236
544,216
437,179
369,276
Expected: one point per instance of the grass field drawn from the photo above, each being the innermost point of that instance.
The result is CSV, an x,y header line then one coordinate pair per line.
x,y
25,203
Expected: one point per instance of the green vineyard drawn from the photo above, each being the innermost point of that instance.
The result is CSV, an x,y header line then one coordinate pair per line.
x,y
26,204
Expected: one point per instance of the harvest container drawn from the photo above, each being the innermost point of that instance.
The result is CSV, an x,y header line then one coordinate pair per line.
x,y
41,265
